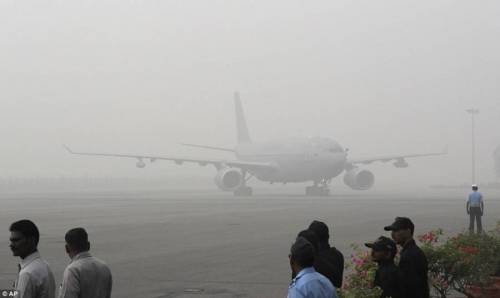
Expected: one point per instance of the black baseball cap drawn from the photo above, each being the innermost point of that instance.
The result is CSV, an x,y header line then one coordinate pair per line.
x,y
401,223
382,244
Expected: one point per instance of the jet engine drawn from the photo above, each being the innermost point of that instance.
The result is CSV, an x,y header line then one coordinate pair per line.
x,y
140,164
359,179
229,179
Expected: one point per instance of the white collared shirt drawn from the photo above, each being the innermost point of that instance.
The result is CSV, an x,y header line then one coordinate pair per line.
x,y
86,277
35,278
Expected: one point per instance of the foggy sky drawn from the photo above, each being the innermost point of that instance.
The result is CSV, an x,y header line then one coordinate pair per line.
x,y
380,77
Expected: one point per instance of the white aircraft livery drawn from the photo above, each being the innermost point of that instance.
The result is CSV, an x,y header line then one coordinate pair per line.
x,y
291,160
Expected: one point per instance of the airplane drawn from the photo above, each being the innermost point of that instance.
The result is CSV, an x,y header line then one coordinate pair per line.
x,y
291,160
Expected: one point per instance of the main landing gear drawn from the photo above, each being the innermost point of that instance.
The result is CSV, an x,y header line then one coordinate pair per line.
x,y
320,189
243,190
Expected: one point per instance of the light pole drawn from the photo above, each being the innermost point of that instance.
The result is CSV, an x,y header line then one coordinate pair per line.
x,y
473,112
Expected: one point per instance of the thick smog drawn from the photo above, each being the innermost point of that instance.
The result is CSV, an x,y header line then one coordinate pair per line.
x,y
249,149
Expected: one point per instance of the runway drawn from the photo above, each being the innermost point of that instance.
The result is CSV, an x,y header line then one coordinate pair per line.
x,y
204,243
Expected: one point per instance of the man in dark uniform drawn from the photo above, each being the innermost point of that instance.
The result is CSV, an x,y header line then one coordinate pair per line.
x,y
387,276
322,264
330,261
413,262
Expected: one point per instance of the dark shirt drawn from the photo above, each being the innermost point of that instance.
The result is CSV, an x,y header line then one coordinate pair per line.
x,y
330,263
413,272
386,277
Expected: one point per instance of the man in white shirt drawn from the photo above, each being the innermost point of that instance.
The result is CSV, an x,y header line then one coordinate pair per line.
x,y
86,276
475,209
35,279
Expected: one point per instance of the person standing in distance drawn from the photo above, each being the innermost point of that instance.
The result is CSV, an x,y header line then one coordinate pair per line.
x,y
413,265
86,276
475,208
35,279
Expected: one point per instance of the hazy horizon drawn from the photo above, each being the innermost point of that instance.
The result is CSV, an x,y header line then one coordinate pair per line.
x,y
143,76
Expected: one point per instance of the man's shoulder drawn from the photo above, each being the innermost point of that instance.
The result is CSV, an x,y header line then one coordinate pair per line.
x,y
413,255
315,277
411,251
335,251
314,280
91,260
331,253
36,265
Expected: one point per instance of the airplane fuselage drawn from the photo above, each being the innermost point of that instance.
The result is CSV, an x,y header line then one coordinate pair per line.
x,y
296,160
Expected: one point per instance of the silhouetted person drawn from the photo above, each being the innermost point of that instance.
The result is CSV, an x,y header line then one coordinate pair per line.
x,y
387,276
475,208
311,237
307,282
86,276
413,262
321,265
330,261
35,279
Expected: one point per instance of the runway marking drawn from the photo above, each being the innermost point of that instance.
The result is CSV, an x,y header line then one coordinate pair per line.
x,y
193,290
223,282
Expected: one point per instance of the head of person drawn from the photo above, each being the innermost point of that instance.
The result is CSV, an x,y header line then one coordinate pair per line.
x,y
401,230
475,187
321,230
77,241
24,237
311,237
301,255
383,249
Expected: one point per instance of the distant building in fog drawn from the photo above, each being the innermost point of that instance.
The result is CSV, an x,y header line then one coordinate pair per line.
x,y
497,161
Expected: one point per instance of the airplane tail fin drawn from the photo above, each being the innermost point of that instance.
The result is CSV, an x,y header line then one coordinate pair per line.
x,y
243,135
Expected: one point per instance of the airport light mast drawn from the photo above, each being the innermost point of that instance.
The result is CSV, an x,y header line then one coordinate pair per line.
x,y
473,112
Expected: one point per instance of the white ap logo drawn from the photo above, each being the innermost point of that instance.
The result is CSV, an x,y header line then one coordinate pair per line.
x,y
9,293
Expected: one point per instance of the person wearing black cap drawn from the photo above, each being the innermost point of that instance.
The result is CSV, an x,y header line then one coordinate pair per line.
x,y
413,262
329,260
387,276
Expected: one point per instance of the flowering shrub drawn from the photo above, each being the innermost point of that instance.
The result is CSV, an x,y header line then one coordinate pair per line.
x,y
463,260
455,264
359,284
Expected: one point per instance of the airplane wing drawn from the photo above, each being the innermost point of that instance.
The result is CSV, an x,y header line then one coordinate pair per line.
x,y
218,163
399,159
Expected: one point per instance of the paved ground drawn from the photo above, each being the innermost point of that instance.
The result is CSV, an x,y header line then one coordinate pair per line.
x,y
206,244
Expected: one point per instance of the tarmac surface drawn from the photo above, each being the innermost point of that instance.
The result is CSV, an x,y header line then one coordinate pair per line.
x,y
204,243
